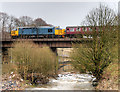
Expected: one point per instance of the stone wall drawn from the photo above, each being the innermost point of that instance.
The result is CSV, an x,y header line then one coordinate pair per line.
x,y
64,59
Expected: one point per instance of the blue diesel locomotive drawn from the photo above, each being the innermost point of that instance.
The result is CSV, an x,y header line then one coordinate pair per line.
x,y
37,32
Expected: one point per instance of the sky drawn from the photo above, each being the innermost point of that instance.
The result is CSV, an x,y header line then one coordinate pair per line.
x,y
56,13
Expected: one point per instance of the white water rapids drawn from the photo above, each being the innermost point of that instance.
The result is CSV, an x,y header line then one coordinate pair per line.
x,y
68,82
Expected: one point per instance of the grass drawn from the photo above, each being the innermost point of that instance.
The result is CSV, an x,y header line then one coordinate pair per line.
x,y
7,68
110,78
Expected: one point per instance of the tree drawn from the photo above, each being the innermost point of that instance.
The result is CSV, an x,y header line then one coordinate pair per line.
x,y
26,21
3,20
40,22
96,56
17,22
12,23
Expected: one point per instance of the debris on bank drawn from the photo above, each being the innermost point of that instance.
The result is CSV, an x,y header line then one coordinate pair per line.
x,y
12,82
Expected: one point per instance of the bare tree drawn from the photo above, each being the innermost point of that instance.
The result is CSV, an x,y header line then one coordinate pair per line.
x,y
3,20
98,55
102,16
40,22
11,24
17,22
26,21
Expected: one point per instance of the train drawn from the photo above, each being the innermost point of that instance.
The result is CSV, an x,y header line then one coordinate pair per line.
x,y
38,32
51,32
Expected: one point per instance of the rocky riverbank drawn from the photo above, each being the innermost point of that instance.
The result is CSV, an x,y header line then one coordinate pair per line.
x,y
13,82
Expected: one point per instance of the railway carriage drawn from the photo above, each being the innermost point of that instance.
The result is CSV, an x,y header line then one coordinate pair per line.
x,y
78,31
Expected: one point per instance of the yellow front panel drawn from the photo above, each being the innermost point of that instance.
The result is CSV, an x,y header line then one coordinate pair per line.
x,y
14,33
60,32
57,32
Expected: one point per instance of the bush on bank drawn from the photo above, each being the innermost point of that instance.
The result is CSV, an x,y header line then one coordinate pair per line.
x,y
32,60
110,79
97,55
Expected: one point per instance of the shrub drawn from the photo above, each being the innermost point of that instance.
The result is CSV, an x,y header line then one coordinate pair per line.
x,y
30,58
97,55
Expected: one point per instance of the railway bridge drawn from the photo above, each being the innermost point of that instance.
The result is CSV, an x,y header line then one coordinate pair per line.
x,y
51,42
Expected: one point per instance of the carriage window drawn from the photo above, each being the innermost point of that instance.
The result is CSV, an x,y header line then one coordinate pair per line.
x,y
49,30
90,29
72,29
85,29
77,29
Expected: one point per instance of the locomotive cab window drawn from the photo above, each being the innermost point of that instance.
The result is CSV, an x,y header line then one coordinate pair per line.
x,y
13,32
14,29
57,28
49,30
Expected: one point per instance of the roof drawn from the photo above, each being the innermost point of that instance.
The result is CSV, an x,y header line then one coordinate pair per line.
x,y
38,27
76,26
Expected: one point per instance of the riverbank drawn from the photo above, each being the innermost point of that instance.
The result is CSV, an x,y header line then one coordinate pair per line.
x,y
109,79
13,81
64,81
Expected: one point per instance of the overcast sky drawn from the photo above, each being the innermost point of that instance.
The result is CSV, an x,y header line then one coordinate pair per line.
x,y
57,13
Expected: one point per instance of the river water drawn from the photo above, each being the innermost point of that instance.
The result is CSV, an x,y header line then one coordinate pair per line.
x,y
68,81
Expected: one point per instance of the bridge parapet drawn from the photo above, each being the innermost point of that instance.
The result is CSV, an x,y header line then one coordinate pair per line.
x,y
49,39
56,42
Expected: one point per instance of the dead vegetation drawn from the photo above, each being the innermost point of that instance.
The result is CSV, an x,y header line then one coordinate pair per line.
x,y
32,60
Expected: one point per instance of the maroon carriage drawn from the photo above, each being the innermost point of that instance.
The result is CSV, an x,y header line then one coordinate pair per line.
x,y
78,31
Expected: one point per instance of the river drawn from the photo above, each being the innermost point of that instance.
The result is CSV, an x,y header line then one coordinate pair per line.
x,y
68,81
